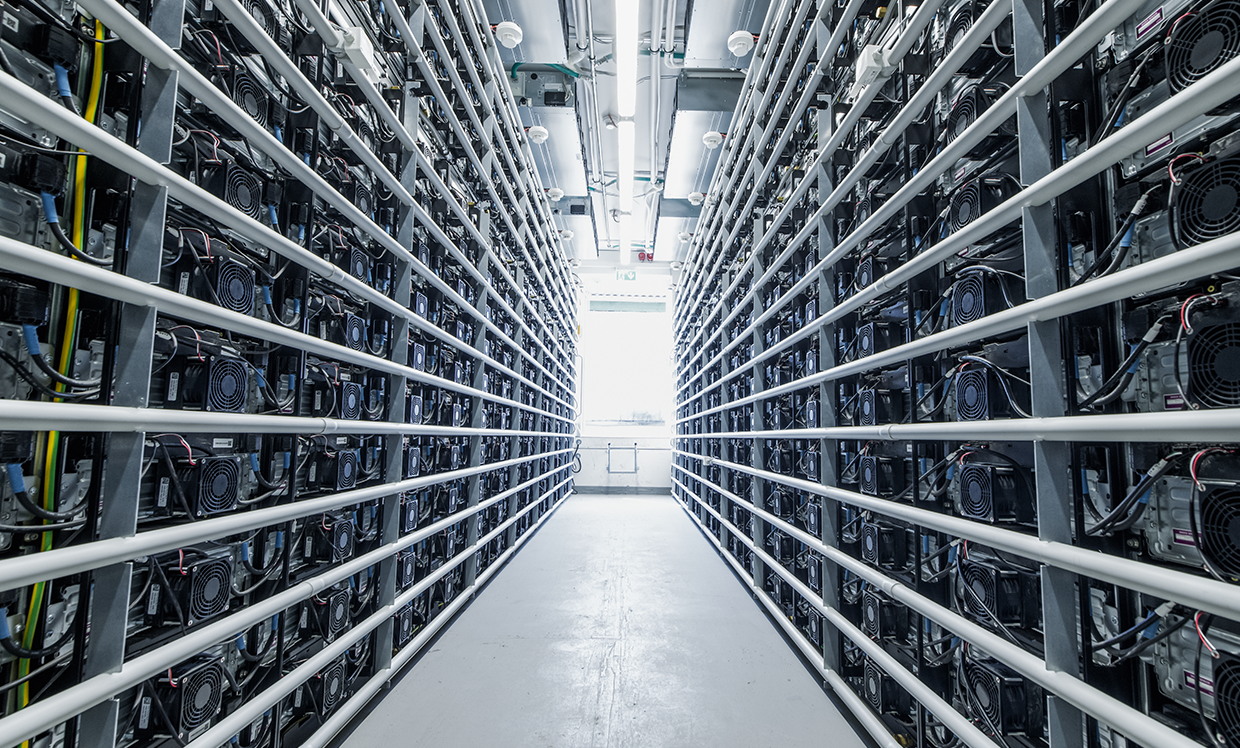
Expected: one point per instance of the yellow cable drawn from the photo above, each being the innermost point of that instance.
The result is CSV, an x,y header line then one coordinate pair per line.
x,y
67,347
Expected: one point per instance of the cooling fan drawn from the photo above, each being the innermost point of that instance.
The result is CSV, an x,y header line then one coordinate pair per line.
x,y
234,286
875,615
1207,203
973,397
1227,697
997,693
973,297
1219,527
352,400
1201,42
202,588
201,692
237,187
359,194
227,382
357,263
248,94
970,103
337,614
404,625
1010,595
406,570
217,484
353,331
975,198
993,493
344,470
878,687
1214,366
330,684
342,539
872,338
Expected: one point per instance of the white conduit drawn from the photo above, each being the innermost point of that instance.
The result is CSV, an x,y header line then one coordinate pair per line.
x,y
979,33
1088,699
251,710
59,562
39,263
57,708
856,705
1196,592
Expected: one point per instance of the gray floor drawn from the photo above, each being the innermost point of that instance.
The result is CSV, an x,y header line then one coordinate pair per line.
x,y
616,625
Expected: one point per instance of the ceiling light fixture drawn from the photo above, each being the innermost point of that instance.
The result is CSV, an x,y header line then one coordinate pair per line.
x,y
740,43
567,235
625,50
696,198
538,134
555,194
713,139
509,34
685,237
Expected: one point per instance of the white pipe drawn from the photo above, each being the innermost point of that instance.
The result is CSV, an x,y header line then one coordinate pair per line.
x,y
1197,592
1072,689
59,562
856,705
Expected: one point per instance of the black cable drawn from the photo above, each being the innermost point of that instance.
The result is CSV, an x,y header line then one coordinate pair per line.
x,y
30,336
20,652
1138,648
163,717
1203,626
40,387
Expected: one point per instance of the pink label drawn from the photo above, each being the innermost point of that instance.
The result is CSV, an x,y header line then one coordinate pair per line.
x,y
1150,23
1160,144
1182,537
1207,685
1173,402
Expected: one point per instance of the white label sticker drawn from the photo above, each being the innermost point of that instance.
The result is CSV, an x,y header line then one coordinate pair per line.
x,y
152,601
222,443
144,713
318,399
161,500
11,23
174,383
183,284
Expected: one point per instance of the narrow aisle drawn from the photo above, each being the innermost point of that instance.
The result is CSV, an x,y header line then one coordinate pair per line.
x,y
617,625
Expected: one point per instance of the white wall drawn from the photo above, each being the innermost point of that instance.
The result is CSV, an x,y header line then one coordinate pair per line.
x,y
654,464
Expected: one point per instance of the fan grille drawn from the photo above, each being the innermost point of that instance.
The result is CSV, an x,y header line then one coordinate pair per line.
x,y
346,469
234,286
208,593
354,332
1201,43
1208,205
350,401
986,696
981,580
972,396
251,97
871,613
218,480
866,340
342,536
1227,697
201,693
976,492
244,192
869,407
869,543
963,114
874,685
337,614
1220,528
966,205
865,270
869,475
226,386
1214,366
959,24
968,299
332,682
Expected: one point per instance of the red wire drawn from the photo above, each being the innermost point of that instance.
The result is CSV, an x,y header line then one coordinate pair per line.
x,y
181,566
1201,634
171,681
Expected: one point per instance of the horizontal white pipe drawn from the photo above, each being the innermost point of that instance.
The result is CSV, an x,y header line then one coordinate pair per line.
x,y
39,263
53,710
380,680
45,416
1130,721
59,562
254,707
1196,592
856,705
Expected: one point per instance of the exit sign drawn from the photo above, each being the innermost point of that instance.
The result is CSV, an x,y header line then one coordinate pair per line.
x,y
626,275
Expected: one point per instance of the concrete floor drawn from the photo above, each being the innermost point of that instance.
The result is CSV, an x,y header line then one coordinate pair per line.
x,y
616,626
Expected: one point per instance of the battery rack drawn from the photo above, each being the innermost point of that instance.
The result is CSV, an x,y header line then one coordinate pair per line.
x,y
287,359
958,354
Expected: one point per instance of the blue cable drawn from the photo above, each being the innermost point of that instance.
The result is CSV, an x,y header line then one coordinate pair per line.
x,y
49,207
16,481
62,81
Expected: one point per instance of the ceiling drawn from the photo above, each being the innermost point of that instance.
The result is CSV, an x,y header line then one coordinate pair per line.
x,y
564,78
